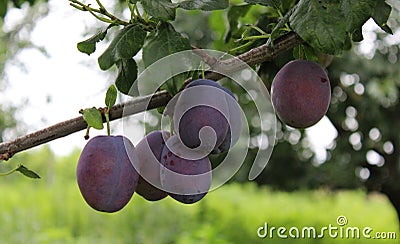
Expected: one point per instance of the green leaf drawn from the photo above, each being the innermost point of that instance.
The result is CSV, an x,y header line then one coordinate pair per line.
x,y
161,110
348,44
381,15
93,118
27,172
160,9
164,42
281,25
3,8
205,5
125,45
357,12
330,25
127,74
321,24
88,46
111,96
234,13
357,35
272,3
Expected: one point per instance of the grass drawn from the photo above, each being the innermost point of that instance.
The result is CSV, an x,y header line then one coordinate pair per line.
x,y
39,213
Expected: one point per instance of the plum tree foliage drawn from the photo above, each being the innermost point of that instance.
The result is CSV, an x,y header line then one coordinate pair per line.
x,y
339,24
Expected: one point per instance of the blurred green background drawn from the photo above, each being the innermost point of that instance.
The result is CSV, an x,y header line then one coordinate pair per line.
x,y
51,210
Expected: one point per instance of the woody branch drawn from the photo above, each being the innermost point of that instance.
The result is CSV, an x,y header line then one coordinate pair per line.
x,y
254,56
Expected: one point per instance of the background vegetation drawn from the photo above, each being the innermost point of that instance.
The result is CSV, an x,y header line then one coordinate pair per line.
x,y
51,210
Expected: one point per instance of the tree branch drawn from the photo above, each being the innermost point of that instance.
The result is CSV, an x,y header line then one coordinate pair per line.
x,y
254,56
257,55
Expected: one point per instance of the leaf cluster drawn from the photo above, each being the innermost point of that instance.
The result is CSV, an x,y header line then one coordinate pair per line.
x,y
331,26
327,27
149,31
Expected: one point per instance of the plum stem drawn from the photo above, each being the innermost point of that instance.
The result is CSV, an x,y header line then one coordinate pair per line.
x,y
202,70
300,52
87,133
11,171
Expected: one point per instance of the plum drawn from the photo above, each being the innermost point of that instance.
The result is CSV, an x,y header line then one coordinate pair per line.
x,y
149,151
186,180
204,103
207,82
200,117
105,174
235,118
235,125
301,93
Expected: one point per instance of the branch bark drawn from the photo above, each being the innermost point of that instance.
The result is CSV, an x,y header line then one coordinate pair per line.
x,y
254,56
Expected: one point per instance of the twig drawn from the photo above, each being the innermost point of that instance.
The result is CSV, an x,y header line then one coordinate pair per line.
x,y
83,7
254,56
